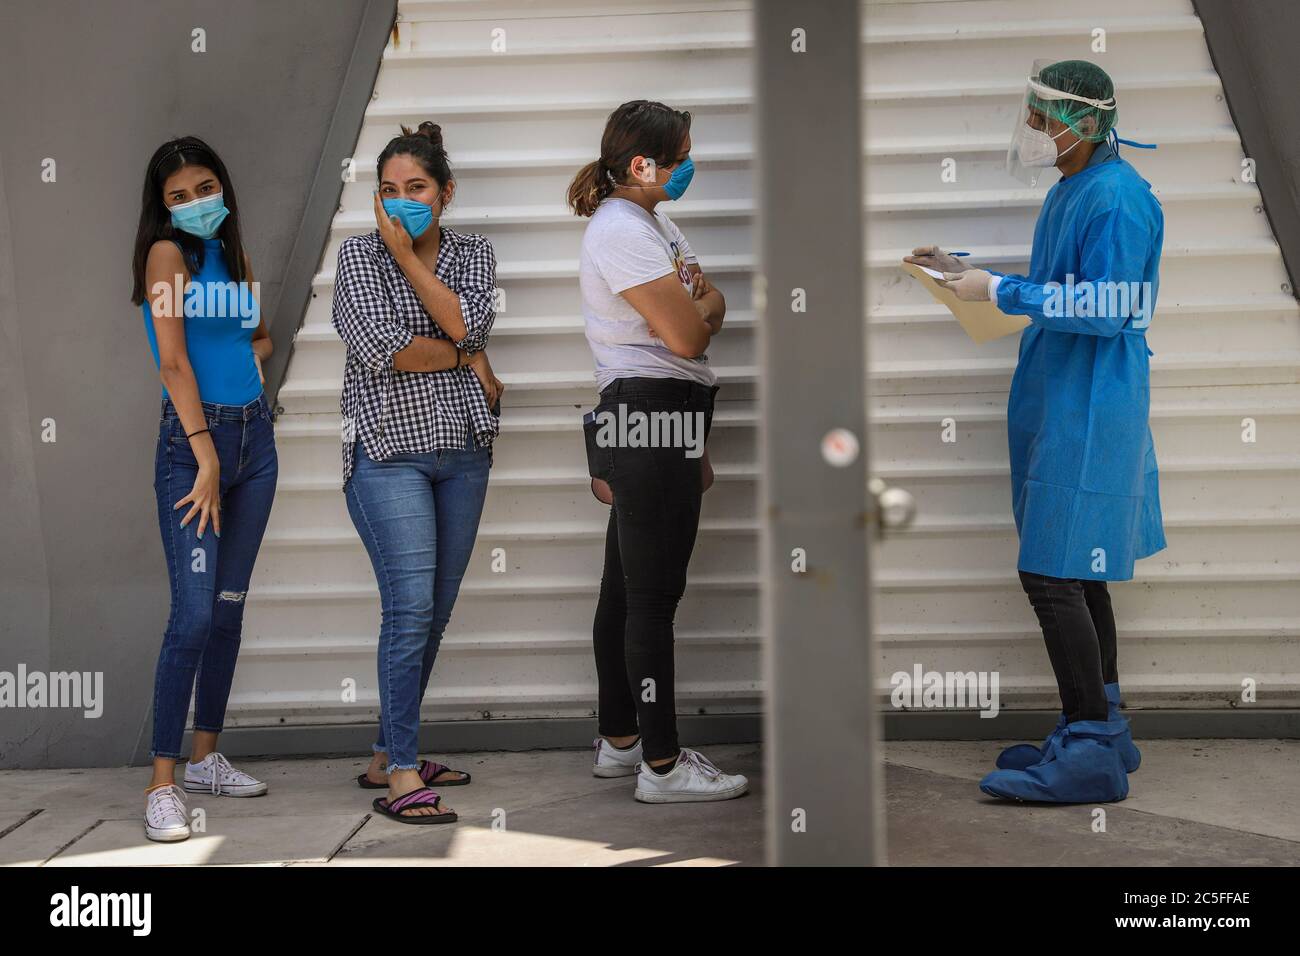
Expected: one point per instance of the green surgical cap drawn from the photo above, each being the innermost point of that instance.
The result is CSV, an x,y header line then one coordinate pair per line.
x,y
1080,78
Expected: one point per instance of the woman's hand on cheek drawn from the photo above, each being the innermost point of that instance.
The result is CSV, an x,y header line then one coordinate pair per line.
x,y
391,230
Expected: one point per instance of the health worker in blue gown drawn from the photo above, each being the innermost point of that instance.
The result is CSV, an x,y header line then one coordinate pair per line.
x,y
1085,489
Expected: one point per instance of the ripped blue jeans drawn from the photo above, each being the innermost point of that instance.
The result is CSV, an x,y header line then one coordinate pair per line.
x,y
209,575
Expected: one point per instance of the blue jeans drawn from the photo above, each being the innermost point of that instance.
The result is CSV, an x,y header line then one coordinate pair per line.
x,y
417,515
209,576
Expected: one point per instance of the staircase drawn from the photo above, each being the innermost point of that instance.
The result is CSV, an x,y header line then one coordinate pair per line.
x,y
943,81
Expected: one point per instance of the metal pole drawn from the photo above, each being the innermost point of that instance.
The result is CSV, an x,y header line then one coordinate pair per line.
x,y
823,777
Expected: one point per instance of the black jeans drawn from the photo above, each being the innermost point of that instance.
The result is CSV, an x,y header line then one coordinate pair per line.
x,y
1079,630
652,527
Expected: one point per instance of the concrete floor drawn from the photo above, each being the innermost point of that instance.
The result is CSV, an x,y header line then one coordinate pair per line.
x,y
1192,803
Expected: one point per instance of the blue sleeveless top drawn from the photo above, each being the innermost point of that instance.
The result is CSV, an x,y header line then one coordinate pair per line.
x,y
220,319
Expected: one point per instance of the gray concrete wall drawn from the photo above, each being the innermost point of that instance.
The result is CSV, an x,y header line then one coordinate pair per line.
x,y
96,86
1253,47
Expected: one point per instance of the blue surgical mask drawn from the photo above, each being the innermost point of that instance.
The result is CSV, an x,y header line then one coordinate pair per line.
x,y
200,217
680,179
414,216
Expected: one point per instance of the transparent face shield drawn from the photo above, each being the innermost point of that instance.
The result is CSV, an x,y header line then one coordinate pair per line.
x,y
1049,124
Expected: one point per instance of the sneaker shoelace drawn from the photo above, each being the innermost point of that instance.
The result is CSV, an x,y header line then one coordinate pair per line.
x,y
166,801
223,772
700,764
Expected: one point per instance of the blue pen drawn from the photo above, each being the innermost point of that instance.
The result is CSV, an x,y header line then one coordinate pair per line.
x,y
959,253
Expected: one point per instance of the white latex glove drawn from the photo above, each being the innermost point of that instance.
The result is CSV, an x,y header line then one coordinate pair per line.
x,y
932,257
969,286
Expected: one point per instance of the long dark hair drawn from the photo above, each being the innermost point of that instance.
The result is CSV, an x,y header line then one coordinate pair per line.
x,y
638,128
156,220
425,144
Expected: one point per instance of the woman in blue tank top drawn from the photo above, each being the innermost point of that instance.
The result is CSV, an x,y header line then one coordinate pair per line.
x,y
215,467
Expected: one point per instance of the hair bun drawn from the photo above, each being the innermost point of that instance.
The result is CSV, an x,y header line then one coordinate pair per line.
x,y
426,130
430,131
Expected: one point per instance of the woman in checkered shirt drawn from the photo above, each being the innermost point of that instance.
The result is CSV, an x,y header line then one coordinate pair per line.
x,y
414,302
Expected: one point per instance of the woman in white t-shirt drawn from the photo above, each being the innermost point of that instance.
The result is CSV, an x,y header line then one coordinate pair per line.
x,y
649,314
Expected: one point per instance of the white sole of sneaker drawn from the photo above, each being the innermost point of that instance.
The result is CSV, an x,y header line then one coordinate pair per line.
x,y
653,796
597,771
253,790
166,835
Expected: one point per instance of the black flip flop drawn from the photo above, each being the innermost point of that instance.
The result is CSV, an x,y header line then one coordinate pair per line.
x,y
428,770
424,797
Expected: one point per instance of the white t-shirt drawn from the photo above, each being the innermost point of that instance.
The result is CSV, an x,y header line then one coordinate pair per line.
x,y
625,246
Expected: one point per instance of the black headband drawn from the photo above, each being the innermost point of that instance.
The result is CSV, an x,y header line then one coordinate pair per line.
x,y
153,170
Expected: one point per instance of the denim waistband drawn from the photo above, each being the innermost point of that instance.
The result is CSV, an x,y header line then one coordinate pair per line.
x,y
662,389
224,413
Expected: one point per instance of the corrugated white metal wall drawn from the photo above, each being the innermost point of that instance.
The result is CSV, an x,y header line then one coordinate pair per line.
x,y
1221,604
521,90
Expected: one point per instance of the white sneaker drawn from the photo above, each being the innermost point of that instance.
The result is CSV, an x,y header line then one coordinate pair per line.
x,y
213,774
693,779
612,762
165,818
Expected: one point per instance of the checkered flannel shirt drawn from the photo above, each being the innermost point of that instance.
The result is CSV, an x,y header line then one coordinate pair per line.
x,y
376,313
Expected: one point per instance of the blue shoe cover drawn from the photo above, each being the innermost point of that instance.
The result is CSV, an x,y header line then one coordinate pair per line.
x,y
1082,765
1023,756
1128,751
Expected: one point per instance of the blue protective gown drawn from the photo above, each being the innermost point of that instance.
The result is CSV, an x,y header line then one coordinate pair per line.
x,y
1084,484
